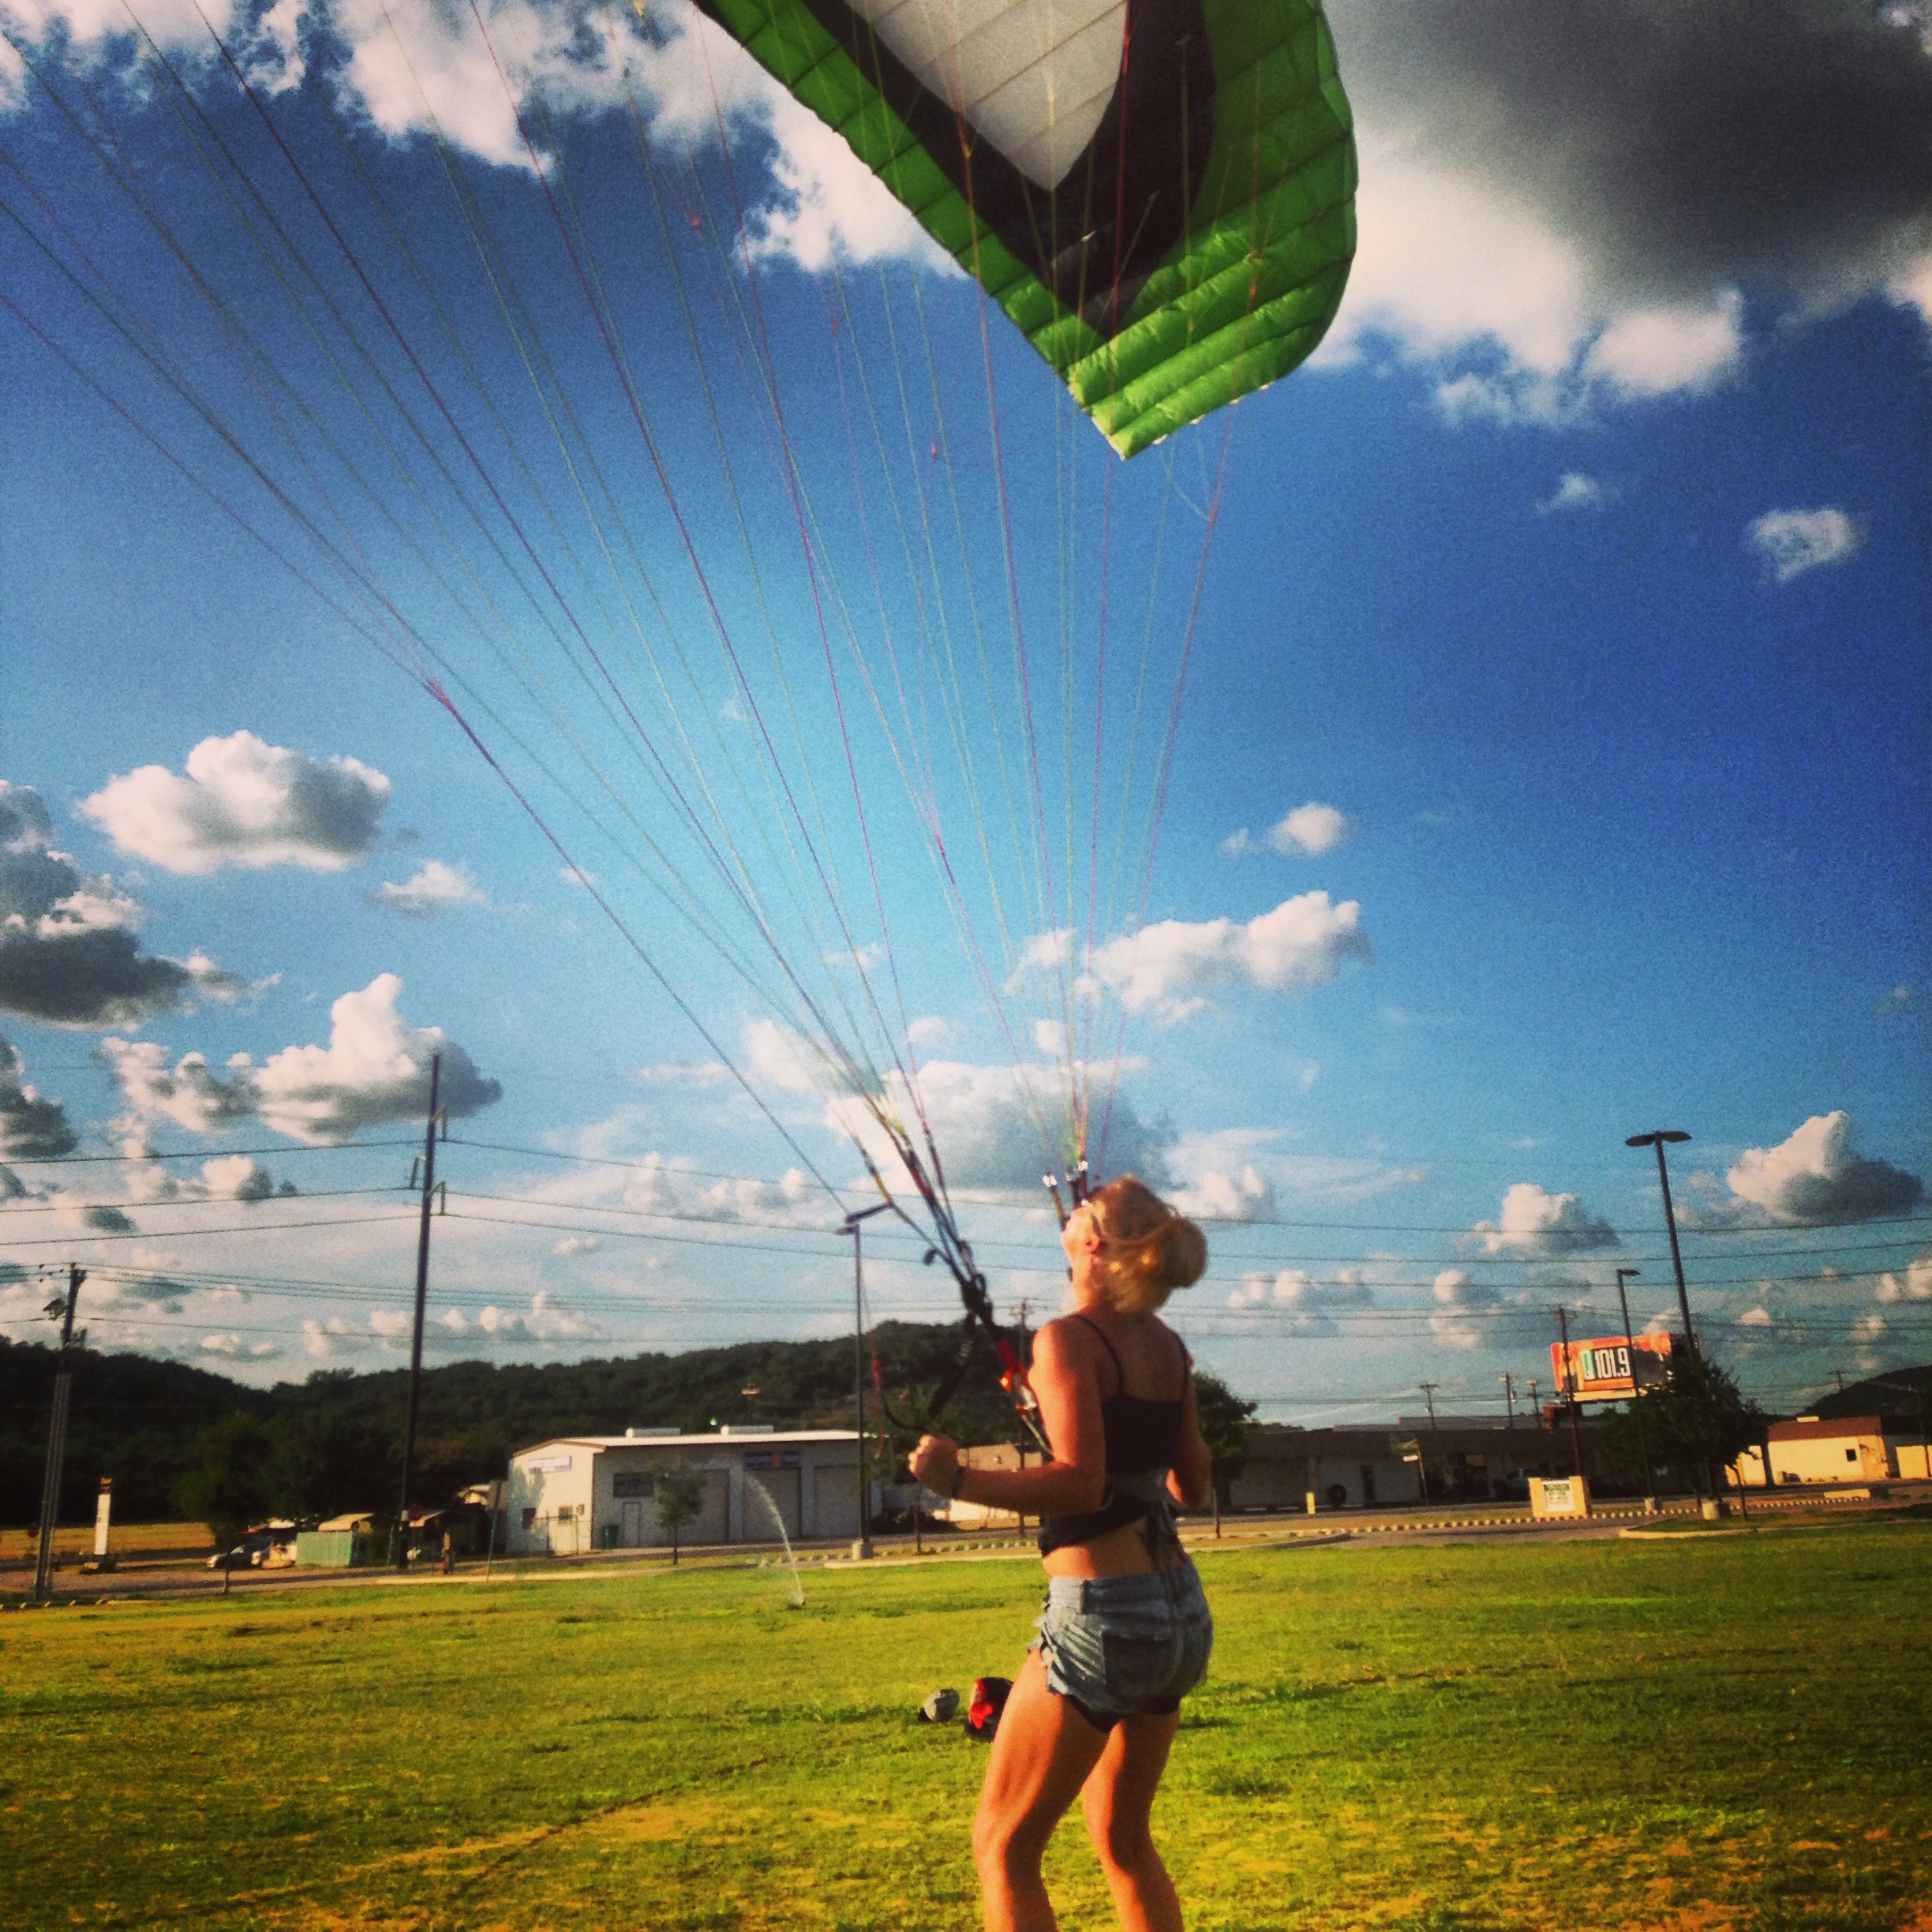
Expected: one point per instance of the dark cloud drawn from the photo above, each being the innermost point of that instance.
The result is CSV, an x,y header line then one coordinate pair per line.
x,y
99,977
31,1129
1683,146
69,950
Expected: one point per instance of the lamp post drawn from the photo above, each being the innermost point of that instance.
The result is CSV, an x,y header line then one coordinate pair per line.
x,y
853,1224
1630,1341
1657,1140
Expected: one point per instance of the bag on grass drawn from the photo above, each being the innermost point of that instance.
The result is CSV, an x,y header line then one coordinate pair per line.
x,y
940,1708
989,1699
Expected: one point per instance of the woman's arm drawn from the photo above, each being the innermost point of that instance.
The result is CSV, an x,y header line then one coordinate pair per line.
x,y
1065,1380
1189,1480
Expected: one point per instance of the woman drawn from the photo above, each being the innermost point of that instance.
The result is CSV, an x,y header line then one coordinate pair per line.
x,y
1126,1631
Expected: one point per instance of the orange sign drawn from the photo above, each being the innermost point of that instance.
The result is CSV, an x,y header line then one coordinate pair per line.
x,y
1600,1371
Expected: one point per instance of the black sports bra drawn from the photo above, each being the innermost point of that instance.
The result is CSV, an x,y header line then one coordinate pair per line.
x,y
1141,1438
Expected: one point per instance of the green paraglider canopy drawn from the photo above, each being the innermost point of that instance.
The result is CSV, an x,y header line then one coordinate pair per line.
x,y
1159,194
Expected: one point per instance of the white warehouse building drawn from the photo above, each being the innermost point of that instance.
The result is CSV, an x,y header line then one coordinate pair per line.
x,y
577,1493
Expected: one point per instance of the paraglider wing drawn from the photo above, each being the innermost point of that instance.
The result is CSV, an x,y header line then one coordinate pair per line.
x,y
1159,194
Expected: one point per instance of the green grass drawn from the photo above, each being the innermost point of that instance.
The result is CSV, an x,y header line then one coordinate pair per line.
x,y
1475,1737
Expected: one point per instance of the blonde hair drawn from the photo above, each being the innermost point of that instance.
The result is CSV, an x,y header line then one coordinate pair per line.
x,y
1146,1249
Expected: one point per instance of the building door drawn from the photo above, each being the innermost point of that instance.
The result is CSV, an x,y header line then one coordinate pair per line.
x,y
781,1485
835,1499
711,1525
632,1535
1368,1483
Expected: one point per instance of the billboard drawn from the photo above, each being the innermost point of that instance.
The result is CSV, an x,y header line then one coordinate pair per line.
x,y
1600,1371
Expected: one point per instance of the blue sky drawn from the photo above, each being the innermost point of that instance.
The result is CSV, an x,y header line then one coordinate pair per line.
x,y
1555,700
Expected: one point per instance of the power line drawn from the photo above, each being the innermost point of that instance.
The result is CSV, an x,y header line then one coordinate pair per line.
x,y
282,1147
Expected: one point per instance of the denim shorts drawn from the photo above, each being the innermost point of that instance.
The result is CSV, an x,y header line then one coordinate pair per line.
x,y
1120,1646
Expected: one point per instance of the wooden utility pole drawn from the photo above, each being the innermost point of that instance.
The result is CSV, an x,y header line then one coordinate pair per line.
x,y
57,1434
1570,1400
423,1292
853,1224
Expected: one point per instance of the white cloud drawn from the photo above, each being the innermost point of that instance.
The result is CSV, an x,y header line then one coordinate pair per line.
x,y
70,952
230,1177
1470,1314
1793,541
1916,1285
1816,1176
1172,965
433,887
777,1058
193,1096
1575,491
930,1030
1248,1195
1298,1292
999,1127
547,1320
390,1324
658,1185
375,1069
1045,952
1651,352
1549,1226
221,1344
248,804
1050,1038
700,1073
576,1244
1311,829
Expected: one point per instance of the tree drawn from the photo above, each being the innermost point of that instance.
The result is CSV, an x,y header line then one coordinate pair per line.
x,y
325,1462
679,1493
1695,1421
1224,1418
229,1485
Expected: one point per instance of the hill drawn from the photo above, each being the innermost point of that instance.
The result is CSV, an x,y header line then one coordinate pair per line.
x,y
333,1441
1898,1395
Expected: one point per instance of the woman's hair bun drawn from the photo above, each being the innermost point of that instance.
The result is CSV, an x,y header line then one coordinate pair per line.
x,y
1150,1250
1182,1250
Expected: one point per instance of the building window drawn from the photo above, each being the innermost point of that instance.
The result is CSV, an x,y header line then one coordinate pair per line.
x,y
633,1486
530,1519
1851,1455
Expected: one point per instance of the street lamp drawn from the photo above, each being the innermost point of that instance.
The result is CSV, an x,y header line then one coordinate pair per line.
x,y
1657,1140
1630,1341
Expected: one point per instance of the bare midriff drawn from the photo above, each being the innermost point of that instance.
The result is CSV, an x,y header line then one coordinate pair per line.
x,y
1118,1553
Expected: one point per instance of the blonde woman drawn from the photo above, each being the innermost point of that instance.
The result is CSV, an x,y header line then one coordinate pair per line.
x,y
1126,1631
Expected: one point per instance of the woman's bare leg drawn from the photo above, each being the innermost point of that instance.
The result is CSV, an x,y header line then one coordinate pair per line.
x,y
1119,1803
1041,1754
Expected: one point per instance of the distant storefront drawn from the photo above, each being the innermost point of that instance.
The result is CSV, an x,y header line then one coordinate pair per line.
x,y
577,1493
1853,1449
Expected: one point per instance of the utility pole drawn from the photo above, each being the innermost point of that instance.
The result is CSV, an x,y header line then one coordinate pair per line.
x,y
853,1223
1570,1400
1630,1341
422,1291
56,1433
1837,1375
1509,1402
1657,1140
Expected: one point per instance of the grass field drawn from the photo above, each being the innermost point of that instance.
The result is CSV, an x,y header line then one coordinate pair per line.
x,y
1690,1734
